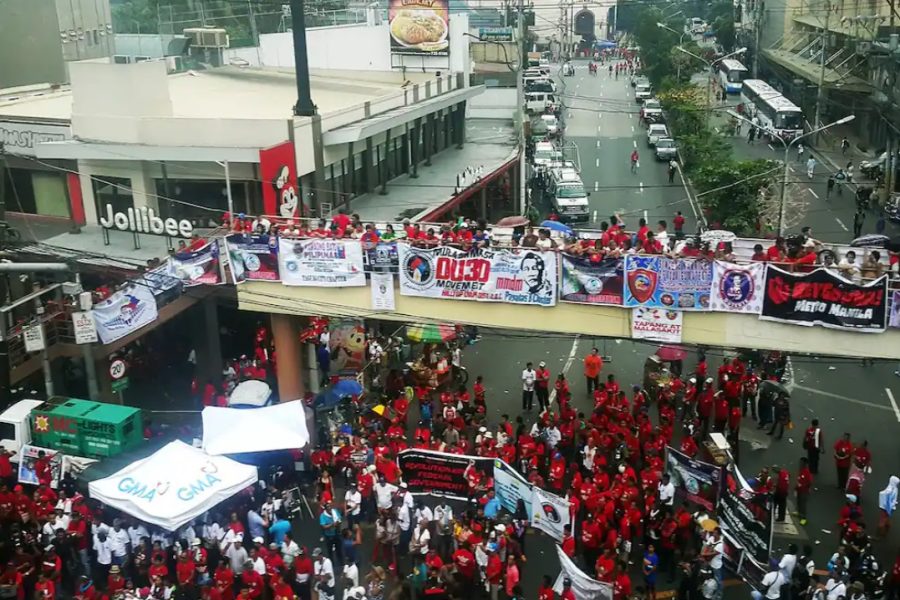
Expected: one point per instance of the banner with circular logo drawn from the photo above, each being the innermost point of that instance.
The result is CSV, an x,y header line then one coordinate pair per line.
x,y
737,288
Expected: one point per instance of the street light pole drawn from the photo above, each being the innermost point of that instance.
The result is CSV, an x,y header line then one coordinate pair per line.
x,y
709,66
787,158
680,41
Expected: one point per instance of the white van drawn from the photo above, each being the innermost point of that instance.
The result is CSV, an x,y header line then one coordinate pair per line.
x,y
567,195
544,154
539,101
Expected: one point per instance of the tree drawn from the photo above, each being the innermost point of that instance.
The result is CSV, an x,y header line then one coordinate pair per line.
x,y
732,191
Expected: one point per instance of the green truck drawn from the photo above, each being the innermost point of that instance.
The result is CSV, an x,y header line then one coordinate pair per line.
x,y
71,426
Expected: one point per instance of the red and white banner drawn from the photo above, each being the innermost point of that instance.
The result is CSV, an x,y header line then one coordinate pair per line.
x,y
657,324
280,189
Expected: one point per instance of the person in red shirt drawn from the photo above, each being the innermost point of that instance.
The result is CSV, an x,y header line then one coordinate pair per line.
x,y
782,488
115,582
12,577
281,590
224,580
590,540
759,255
705,403
777,252
44,588
568,541
567,593
465,563
843,453
542,385
678,224
804,484
185,569
622,583
545,591
494,571
722,410
252,580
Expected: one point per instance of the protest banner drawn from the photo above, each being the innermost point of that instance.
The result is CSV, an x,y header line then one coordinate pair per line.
x,y
321,263
746,516
737,288
197,267
252,257
676,284
694,480
583,586
591,282
549,513
511,487
657,324
442,474
124,312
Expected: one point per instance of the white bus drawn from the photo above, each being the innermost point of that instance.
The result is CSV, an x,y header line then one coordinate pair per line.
x,y
775,112
731,73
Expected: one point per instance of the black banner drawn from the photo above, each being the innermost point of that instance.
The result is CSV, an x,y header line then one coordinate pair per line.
x,y
824,298
380,257
747,518
743,565
442,474
694,480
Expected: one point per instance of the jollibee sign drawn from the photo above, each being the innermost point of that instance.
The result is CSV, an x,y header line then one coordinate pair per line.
x,y
144,220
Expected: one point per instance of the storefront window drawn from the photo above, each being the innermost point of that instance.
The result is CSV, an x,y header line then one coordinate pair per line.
x,y
204,202
35,192
112,190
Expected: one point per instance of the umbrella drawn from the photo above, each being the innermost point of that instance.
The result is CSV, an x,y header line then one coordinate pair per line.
x,y
774,386
514,221
870,240
252,392
557,226
604,44
670,353
431,333
384,411
347,387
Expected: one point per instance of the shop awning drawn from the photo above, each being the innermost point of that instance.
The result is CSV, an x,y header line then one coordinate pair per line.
x,y
174,485
239,430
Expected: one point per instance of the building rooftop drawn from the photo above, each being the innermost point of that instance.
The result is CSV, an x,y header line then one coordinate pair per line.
x,y
234,92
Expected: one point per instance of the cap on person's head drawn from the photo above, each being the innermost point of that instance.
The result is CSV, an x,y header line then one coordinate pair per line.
x,y
273,546
259,540
317,552
542,364
196,542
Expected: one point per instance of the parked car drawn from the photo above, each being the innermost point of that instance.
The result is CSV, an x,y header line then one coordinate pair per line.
x,y
552,124
666,149
642,91
651,111
656,132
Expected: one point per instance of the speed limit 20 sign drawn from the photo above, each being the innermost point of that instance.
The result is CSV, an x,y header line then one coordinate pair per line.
x,y
117,369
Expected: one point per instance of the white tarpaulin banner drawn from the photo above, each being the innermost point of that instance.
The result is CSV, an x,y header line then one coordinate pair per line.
x,y
174,485
383,291
124,312
511,487
486,275
225,429
84,327
737,288
321,263
549,513
657,324
583,586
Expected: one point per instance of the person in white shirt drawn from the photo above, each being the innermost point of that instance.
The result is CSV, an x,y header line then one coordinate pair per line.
x,y
405,496
119,541
404,520
849,268
289,550
666,491
136,533
837,588
384,493
423,512
259,565
324,574
64,503
788,562
528,378
771,584
553,436
418,543
352,505
350,578
443,519
713,549
104,552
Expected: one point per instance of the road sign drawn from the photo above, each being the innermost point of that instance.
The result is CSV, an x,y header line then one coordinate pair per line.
x,y
120,384
34,338
85,329
117,369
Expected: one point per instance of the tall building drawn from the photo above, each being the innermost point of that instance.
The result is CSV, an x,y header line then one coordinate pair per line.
x,y
39,37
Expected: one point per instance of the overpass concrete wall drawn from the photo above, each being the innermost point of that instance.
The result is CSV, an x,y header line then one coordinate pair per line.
x,y
706,328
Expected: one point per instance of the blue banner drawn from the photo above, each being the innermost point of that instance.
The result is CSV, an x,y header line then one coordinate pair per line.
x,y
659,282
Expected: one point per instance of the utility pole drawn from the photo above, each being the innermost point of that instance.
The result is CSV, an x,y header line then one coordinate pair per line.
x,y
254,30
304,106
757,33
5,395
820,96
520,98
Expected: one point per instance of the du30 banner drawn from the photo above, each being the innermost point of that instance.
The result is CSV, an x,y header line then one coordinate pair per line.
x,y
549,513
321,263
737,288
485,275
252,257
825,298
584,280
444,474
657,282
511,487
198,267
124,312
583,586
694,480
657,324
278,171
746,516
895,309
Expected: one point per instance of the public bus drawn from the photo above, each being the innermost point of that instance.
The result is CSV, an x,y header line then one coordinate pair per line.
x,y
776,113
731,73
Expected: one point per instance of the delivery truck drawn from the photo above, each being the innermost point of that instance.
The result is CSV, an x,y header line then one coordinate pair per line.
x,y
71,426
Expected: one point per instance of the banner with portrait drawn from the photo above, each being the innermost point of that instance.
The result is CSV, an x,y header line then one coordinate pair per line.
x,y
481,274
124,312
381,257
321,263
511,488
252,257
659,282
657,324
198,267
694,480
822,297
443,474
592,282
737,288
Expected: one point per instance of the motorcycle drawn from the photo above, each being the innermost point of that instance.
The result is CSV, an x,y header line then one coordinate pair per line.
x,y
874,168
892,208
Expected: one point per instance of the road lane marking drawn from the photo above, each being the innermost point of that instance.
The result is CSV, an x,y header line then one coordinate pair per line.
x,y
890,396
570,116
598,129
810,190
645,211
841,223
595,212
596,189
571,359
641,190
597,163
839,397
599,115
634,142
598,143
632,129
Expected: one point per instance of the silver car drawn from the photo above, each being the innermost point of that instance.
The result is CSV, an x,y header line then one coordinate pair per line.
x,y
666,149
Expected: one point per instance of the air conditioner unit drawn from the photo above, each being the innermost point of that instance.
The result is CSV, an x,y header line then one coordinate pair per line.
x,y
207,37
174,64
863,48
